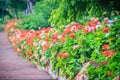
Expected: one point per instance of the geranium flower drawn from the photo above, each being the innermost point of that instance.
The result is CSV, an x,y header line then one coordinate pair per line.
x,y
108,53
104,62
109,73
91,24
106,20
81,76
90,29
43,58
105,30
75,46
72,35
68,30
105,46
63,55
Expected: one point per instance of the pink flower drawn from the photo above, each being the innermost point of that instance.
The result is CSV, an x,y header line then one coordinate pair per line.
x,y
59,37
92,19
90,29
75,46
43,58
105,13
80,76
106,20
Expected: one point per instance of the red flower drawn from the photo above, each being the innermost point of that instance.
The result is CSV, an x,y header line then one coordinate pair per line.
x,y
108,53
72,35
108,73
63,55
54,38
63,40
105,46
47,39
105,30
91,24
66,55
68,30
46,46
104,62
96,67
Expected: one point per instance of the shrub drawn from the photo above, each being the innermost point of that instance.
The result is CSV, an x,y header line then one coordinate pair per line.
x,y
71,48
39,18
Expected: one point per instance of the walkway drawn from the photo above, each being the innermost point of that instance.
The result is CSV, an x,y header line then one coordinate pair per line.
x,y
14,67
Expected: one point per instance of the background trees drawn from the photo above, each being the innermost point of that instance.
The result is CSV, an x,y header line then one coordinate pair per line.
x,y
74,10
57,12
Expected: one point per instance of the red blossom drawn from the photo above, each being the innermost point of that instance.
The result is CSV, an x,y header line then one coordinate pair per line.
x,y
105,46
72,35
91,24
66,55
109,73
67,30
108,53
63,55
104,62
105,30
63,41
96,67
47,39
46,46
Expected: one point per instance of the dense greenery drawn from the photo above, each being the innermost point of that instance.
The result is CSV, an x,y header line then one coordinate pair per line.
x,y
73,50
40,17
58,12
76,10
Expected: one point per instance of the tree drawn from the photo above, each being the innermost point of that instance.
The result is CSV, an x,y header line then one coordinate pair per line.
x,y
74,10
11,7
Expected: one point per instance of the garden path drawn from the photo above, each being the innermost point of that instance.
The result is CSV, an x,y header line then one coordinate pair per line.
x,y
14,67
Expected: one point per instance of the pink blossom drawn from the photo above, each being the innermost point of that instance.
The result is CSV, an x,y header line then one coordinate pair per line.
x,y
80,76
90,29
106,20
43,58
59,37
75,46
92,19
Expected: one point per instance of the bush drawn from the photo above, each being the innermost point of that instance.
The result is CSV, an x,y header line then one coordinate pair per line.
x,y
39,18
69,49
1,25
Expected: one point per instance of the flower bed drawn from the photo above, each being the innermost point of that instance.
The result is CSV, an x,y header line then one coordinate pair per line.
x,y
73,51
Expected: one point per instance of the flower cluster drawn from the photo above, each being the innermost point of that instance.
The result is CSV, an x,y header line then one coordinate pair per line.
x,y
67,48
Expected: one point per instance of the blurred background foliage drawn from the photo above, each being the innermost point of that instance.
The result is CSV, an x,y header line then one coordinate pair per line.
x,y
36,14
80,10
39,18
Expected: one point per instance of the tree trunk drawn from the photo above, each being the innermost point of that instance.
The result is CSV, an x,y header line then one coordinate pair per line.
x,y
29,6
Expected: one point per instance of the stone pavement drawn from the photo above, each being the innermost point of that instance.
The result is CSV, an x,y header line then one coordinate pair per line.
x,y
14,67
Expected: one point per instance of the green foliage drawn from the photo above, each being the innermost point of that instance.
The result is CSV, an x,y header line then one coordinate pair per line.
x,y
12,8
39,18
77,10
1,25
